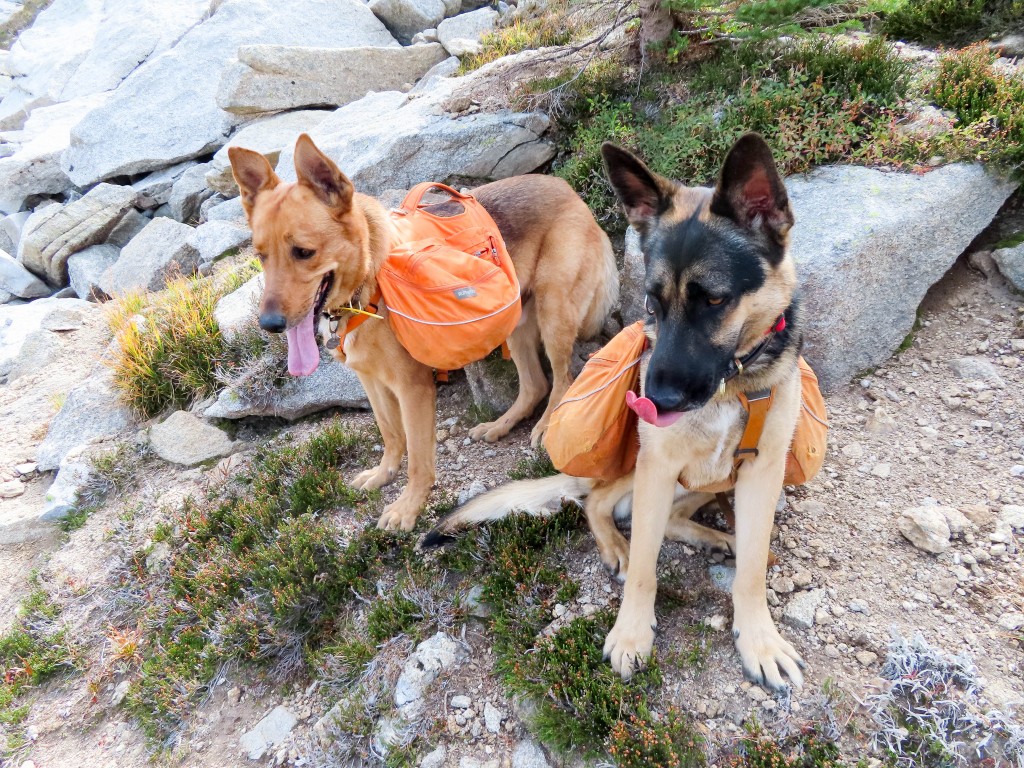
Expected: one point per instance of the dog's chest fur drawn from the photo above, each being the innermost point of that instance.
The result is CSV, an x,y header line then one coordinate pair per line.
x,y
701,444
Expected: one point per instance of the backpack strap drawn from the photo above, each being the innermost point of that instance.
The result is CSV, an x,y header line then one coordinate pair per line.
x,y
358,317
415,196
756,404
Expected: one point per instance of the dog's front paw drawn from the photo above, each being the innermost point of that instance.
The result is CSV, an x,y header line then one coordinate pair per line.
x,y
765,654
399,516
372,479
629,644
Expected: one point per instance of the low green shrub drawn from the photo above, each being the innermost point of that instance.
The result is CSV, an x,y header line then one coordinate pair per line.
x,y
952,21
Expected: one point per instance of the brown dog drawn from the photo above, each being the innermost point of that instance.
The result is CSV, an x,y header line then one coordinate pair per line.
x,y
322,244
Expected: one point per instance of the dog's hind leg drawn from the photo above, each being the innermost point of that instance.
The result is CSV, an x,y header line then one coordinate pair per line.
x,y
682,528
524,344
611,544
389,418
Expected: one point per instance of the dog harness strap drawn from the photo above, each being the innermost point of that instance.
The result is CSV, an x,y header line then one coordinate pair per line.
x,y
338,333
757,405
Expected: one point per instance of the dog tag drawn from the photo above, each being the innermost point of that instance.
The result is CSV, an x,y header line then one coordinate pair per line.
x,y
332,343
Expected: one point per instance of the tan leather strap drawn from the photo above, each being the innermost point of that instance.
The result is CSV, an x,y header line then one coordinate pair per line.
x,y
757,405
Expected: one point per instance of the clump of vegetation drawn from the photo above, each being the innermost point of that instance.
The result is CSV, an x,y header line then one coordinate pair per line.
x,y
34,650
816,101
986,102
667,742
951,21
261,572
556,25
530,467
169,347
805,750
115,471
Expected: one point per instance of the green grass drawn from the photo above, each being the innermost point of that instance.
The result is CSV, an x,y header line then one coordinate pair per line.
x,y
260,572
172,357
529,467
947,22
556,25
816,101
34,650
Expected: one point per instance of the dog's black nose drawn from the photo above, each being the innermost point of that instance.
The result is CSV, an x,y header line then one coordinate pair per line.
x,y
273,322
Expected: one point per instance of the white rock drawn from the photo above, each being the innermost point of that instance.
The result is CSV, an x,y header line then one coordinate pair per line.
x,y
85,269
184,438
1011,264
267,78
434,759
333,385
461,702
166,110
269,732
529,755
266,136
50,239
926,528
120,692
433,656
18,281
1011,622
161,251
155,189
238,311
475,489
866,265
799,610
493,718
91,412
41,348
35,167
215,238
405,18
11,489
461,35
18,322
73,476
1012,515
956,520
385,140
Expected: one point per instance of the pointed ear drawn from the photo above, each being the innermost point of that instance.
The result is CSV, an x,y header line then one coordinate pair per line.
x,y
252,173
750,190
318,172
644,194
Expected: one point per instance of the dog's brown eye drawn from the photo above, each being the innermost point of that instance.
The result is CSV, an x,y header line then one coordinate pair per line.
x,y
302,253
715,301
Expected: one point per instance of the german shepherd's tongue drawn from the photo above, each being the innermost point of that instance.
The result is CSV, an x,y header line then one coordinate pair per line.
x,y
303,353
648,411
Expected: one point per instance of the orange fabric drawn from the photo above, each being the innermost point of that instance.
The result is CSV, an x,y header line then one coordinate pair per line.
x,y
449,285
592,433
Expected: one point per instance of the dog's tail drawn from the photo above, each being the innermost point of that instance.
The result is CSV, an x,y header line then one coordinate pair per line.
x,y
540,497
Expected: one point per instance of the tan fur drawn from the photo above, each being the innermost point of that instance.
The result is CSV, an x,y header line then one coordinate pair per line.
x,y
563,259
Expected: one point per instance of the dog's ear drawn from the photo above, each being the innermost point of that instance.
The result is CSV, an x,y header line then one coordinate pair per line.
x,y
318,172
644,194
252,173
750,190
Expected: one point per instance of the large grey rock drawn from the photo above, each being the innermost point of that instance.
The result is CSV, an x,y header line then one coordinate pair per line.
x,y
18,281
189,192
17,323
91,412
333,385
266,136
85,269
73,478
461,35
34,168
386,140
131,225
272,730
184,438
162,250
229,210
926,528
493,384
47,243
214,238
237,311
155,189
166,110
267,77
404,18
12,225
865,265
529,755
41,348
77,48
1011,264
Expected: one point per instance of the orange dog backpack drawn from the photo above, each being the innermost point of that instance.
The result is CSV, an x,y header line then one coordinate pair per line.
x,y
594,434
449,285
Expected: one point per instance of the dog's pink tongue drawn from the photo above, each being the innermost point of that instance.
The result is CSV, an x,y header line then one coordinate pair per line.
x,y
648,411
303,353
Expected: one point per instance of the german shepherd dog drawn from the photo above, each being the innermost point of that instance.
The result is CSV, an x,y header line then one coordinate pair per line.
x,y
322,243
718,277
